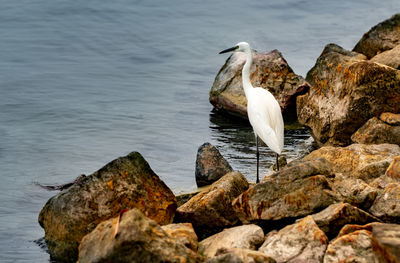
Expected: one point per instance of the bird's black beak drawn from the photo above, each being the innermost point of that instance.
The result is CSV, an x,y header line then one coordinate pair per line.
x,y
229,50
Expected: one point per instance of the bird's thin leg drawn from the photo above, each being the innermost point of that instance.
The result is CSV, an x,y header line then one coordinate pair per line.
x,y
277,162
258,157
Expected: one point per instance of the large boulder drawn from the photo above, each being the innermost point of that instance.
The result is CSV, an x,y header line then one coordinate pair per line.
x,y
389,58
361,161
210,211
294,191
375,131
384,36
347,90
246,236
333,218
269,71
300,242
210,165
125,183
133,238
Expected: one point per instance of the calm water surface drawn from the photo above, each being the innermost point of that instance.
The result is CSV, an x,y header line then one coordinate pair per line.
x,y
84,82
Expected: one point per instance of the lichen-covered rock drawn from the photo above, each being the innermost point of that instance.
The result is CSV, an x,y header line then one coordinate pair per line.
x,y
375,131
389,58
347,90
392,175
182,233
390,118
269,71
125,183
246,255
210,165
333,218
133,238
354,247
365,162
246,236
350,228
382,37
300,242
295,191
211,211
354,191
387,205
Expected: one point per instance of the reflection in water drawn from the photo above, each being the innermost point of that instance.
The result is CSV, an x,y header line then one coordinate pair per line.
x,y
235,140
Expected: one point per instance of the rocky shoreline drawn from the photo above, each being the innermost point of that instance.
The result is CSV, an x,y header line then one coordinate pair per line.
x,y
339,203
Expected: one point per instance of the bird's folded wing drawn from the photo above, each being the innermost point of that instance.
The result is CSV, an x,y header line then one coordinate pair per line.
x,y
266,133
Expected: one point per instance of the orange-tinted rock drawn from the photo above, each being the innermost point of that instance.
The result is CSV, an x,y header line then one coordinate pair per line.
x,y
384,36
137,239
294,191
333,218
347,90
182,233
354,247
269,71
365,162
245,255
390,118
210,210
375,131
125,183
300,242
210,165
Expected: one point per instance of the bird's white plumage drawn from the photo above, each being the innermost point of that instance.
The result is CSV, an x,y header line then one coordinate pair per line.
x,y
265,117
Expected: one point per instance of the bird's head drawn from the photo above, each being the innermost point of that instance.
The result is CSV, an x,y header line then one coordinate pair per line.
x,y
240,47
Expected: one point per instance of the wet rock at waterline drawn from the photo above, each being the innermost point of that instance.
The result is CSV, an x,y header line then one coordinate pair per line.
x,y
133,238
125,183
299,242
210,165
269,71
347,90
375,131
384,36
246,236
210,211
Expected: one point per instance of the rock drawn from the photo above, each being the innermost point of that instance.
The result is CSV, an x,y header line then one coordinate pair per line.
x,y
361,161
382,37
387,241
350,228
389,58
292,192
300,242
210,165
375,131
346,91
210,211
182,233
269,71
246,236
392,175
387,205
246,255
354,191
333,218
390,118
138,239
354,247
124,183
225,258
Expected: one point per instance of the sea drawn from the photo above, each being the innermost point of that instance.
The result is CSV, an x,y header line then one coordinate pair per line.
x,y
85,82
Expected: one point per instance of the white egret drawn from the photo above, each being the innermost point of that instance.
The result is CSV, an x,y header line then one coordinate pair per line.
x,y
263,109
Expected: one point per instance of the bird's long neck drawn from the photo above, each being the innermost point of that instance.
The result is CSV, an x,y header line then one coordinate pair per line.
x,y
246,72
